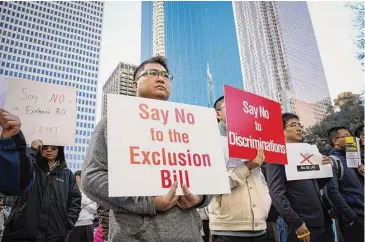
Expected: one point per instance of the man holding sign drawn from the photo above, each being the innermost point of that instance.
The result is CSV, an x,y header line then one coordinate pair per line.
x,y
164,219
346,188
299,202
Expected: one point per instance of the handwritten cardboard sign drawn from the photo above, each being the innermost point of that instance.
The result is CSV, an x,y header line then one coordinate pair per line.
x,y
254,122
47,111
305,162
152,144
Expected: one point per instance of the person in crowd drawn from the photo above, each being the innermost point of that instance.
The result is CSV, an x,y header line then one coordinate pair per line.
x,y
241,215
84,230
346,189
299,202
161,218
51,207
16,173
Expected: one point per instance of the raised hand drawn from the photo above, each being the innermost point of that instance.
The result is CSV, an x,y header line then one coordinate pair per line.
x,y
257,162
10,123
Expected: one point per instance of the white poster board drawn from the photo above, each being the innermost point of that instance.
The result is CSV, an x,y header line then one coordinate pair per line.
x,y
305,162
47,111
153,143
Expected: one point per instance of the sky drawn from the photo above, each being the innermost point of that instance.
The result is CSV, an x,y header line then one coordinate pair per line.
x,y
121,41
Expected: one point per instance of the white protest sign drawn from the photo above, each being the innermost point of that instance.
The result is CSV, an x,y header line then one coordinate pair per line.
x,y
153,143
3,88
305,162
353,156
47,111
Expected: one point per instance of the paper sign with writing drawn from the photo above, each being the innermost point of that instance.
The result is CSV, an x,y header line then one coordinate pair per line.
x,y
353,156
47,111
3,88
305,162
153,143
254,122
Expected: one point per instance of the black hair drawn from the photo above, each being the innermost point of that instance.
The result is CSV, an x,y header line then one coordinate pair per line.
x,y
287,116
156,59
218,103
332,133
78,173
359,131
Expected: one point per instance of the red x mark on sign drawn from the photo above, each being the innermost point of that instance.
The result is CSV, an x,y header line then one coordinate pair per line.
x,y
306,158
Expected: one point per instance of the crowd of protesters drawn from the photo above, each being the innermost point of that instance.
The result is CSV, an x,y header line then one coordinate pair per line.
x,y
50,203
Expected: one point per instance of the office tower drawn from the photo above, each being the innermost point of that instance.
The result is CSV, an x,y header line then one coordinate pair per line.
x,y
280,57
119,82
199,41
56,42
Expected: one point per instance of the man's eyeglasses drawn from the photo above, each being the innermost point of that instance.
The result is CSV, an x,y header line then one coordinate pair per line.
x,y
46,147
156,73
295,125
344,136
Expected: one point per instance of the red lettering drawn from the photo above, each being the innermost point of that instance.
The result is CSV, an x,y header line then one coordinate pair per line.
x,y
187,182
165,179
146,159
143,114
133,154
55,98
185,138
206,160
155,161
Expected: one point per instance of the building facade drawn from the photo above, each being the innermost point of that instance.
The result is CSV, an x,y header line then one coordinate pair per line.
x,y
199,41
280,58
119,82
56,42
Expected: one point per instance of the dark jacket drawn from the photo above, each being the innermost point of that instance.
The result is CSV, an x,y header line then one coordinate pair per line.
x,y
49,210
347,194
297,201
16,170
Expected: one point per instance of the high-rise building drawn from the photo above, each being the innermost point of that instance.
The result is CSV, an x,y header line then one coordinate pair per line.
x,y
280,58
119,82
199,41
56,42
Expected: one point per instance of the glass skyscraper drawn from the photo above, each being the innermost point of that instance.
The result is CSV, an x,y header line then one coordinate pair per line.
x,y
280,57
56,42
200,44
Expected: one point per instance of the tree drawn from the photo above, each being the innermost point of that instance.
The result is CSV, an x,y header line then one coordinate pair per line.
x,y
350,115
358,21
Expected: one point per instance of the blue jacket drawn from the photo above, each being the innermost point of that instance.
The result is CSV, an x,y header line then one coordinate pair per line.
x,y
347,194
16,170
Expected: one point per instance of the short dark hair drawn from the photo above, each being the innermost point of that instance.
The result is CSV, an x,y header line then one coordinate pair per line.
x,y
217,105
332,133
156,59
359,131
287,116
78,173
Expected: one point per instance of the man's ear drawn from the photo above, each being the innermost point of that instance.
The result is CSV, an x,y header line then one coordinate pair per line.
x,y
135,85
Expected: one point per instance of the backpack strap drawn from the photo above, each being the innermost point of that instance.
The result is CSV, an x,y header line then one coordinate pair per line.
x,y
339,166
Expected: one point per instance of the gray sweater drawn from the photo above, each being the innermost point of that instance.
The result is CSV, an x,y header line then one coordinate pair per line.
x,y
134,219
